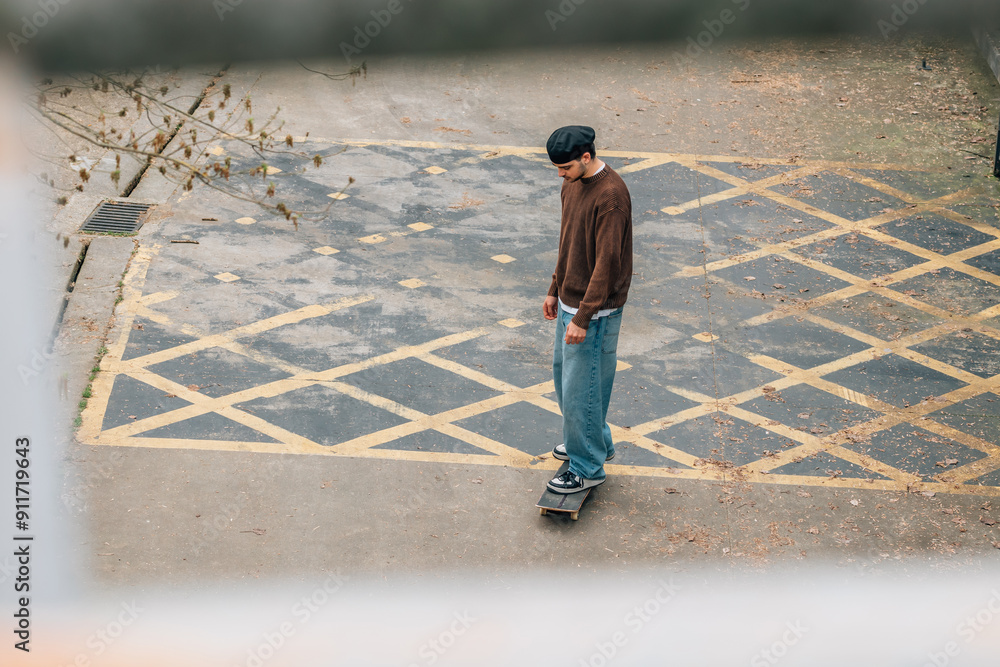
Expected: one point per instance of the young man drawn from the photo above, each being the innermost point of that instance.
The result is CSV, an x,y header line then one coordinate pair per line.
x,y
589,288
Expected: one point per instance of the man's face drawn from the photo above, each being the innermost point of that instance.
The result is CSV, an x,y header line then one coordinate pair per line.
x,y
574,170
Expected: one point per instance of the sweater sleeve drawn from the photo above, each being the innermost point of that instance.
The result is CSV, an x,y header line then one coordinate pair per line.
x,y
554,286
610,236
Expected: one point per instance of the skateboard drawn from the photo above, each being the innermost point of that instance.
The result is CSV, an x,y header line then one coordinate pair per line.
x,y
567,503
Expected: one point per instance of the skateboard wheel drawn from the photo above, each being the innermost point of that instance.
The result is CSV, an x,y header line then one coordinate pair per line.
x,y
574,515
542,511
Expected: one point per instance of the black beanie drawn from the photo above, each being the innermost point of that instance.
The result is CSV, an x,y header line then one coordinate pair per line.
x,y
569,143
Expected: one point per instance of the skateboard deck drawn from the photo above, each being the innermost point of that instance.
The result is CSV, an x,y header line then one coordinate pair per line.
x,y
567,503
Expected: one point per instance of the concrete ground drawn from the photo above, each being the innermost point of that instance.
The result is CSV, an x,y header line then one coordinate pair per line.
x,y
807,367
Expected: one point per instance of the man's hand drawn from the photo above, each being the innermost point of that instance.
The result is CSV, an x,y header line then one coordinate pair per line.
x,y
574,334
550,307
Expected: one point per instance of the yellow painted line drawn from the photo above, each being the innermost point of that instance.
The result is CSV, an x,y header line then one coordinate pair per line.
x,y
293,441
707,407
157,297
628,435
742,187
292,317
811,445
873,464
468,373
884,188
760,253
963,220
423,423
203,404
397,355
373,399
206,445
261,326
645,164
684,158
150,314
971,471
430,457
508,455
93,415
440,423
704,474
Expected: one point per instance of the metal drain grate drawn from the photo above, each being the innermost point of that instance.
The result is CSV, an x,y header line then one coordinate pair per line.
x,y
115,216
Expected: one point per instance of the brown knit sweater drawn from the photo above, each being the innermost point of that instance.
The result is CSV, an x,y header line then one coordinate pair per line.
x,y
594,269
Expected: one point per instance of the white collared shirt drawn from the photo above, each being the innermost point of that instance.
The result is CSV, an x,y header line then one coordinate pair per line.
x,y
574,311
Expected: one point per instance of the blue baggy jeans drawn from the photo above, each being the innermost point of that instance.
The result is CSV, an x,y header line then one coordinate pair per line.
x,y
584,375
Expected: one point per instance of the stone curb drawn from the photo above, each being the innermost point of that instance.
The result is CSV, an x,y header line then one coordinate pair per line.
x,y
989,44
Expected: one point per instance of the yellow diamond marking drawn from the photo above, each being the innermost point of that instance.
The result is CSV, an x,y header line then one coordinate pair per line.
x,y
420,226
374,238
271,170
705,337
338,195
412,283
673,210
503,259
622,366
763,471
227,277
216,150
326,250
511,323
435,170
245,221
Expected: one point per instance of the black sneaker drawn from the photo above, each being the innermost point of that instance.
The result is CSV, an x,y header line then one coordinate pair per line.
x,y
560,453
569,482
